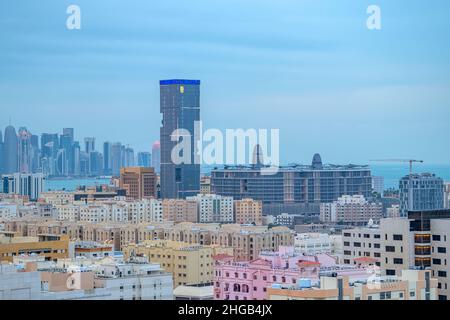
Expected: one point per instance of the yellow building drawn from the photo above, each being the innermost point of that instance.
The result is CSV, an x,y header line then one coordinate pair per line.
x,y
52,247
190,264
248,211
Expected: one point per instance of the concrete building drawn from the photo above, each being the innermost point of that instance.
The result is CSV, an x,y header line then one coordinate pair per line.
x,y
180,108
214,208
205,185
193,293
50,246
416,242
351,210
293,189
248,211
180,210
250,280
393,211
378,185
315,243
412,285
190,264
156,156
138,182
447,195
16,285
362,243
422,191
30,185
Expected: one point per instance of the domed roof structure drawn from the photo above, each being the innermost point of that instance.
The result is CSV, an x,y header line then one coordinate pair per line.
x,y
317,162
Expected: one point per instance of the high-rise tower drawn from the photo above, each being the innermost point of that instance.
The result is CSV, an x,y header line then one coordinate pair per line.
x,y
10,151
180,108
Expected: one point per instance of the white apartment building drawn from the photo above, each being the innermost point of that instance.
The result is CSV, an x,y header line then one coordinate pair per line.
x,y
362,244
440,256
419,242
8,211
68,212
146,210
351,209
58,197
18,285
316,243
393,211
214,208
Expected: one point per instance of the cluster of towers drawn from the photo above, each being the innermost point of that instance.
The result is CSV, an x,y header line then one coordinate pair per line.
x,y
60,155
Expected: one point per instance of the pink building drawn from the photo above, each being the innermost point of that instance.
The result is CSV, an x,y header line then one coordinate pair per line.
x,y
250,280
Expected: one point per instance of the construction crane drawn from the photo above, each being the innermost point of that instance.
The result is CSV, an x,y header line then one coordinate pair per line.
x,y
411,161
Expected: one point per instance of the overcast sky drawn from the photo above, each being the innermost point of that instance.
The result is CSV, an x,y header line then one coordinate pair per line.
x,y
310,68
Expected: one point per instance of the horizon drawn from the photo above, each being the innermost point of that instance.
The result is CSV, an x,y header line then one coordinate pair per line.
x,y
312,70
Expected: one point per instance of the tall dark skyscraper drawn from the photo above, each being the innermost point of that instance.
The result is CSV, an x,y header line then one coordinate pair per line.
x,y
107,163
10,150
180,108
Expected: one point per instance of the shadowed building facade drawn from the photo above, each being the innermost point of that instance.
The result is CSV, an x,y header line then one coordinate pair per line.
x,y
180,108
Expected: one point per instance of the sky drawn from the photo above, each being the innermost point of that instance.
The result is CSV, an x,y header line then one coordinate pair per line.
x,y
309,68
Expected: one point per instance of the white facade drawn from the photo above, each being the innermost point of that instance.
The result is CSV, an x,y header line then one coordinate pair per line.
x,y
30,185
68,212
313,243
8,211
18,285
351,209
214,208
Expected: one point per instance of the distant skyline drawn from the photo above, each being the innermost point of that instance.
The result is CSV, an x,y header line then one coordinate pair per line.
x,y
310,68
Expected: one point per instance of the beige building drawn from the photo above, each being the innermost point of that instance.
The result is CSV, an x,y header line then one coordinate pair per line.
x,y
52,247
190,264
248,211
179,210
247,241
205,185
138,182
411,285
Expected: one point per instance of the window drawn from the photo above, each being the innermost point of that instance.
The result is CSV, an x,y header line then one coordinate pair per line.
x,y
442,274
346,244
357,244
398,261
376,236
442,250
436,261
376,245
436,237
398,237
390,249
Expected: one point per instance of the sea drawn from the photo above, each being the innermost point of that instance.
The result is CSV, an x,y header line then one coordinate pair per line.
x,y
392,173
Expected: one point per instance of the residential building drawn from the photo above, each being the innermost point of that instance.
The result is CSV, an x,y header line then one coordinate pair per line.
x,y
193,293
423,191
412,285
50,246
250,280
393,211
214,208
351,210
190,264
248,211
180,210
362,243
292,189
138,182
205,185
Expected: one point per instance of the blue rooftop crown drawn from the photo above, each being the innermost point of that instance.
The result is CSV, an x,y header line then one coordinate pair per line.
x,y
179,81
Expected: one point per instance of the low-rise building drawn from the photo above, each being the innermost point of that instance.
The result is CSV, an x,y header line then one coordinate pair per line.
x,y
412,285
51,246
248,211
